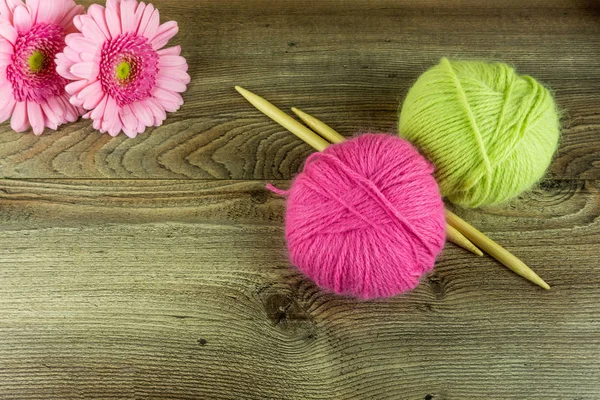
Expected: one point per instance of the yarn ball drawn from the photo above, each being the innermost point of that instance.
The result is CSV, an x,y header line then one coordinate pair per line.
x,y
490,132
365,218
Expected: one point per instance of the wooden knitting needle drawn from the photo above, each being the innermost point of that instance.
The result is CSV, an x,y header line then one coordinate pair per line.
x,y
495,250
458,224
320,144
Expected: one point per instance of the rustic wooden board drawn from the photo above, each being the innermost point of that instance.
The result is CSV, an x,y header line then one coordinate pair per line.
x,y
179,289
156,267
347,62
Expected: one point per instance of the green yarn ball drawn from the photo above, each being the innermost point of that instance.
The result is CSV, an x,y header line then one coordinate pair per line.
x,y
490,132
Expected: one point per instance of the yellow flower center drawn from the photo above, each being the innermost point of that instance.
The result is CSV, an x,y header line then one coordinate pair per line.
x,y
36,61
123,70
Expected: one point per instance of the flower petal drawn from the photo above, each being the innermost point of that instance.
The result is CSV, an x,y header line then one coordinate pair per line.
x,y
171,61
6,47
113,22
68,18
170,51
127,15
164,33
110,113
22,19
50,12
176,73
98,111
7,110
51,116
143,113
79,43
148,11
158,111
36,117
91,95
149,31
7,8
169,83
19,121
91,30
85,70
97,12
72,55
129,120
75,87
8,32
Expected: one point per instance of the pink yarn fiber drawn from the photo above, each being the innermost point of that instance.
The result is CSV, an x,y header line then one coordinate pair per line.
x,y
365,218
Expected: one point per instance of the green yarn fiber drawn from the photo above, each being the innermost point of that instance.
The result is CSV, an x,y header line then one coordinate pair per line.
x,y
490,132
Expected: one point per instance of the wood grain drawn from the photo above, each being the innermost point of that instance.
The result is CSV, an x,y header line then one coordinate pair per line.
x,y
349,63
179,289
156,268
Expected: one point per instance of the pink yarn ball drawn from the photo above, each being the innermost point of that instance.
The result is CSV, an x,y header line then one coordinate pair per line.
x,y
365,218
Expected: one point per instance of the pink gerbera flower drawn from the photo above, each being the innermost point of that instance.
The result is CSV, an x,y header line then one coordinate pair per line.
x,y
31,34
121,75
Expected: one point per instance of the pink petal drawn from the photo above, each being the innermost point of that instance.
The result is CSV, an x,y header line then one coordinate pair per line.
x,y
7,110
8,32
170,51
98,112
80,43
167,95
75,87
71,113
112,4
109,114
19,121
50,12
158,111
172,62
63,67
67,20
165,32
91,95
33,6
115,127
7,8
127,16
141,128
91,30
72,55
51,116
22,19
77,22
149,31
85,70
169,83
75,101
143,113
176,73
6,47
139,12
97,124
147,14
113,22
129,120
97,12
92,56
56,106
36,117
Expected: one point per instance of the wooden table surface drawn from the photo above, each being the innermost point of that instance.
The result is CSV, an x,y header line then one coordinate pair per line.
x,y
155,268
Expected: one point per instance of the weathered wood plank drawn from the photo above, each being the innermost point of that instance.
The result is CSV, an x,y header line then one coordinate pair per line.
x,y
181,290
348,62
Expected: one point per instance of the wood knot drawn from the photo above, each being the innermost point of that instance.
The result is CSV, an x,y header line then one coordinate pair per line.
x,y
287,314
